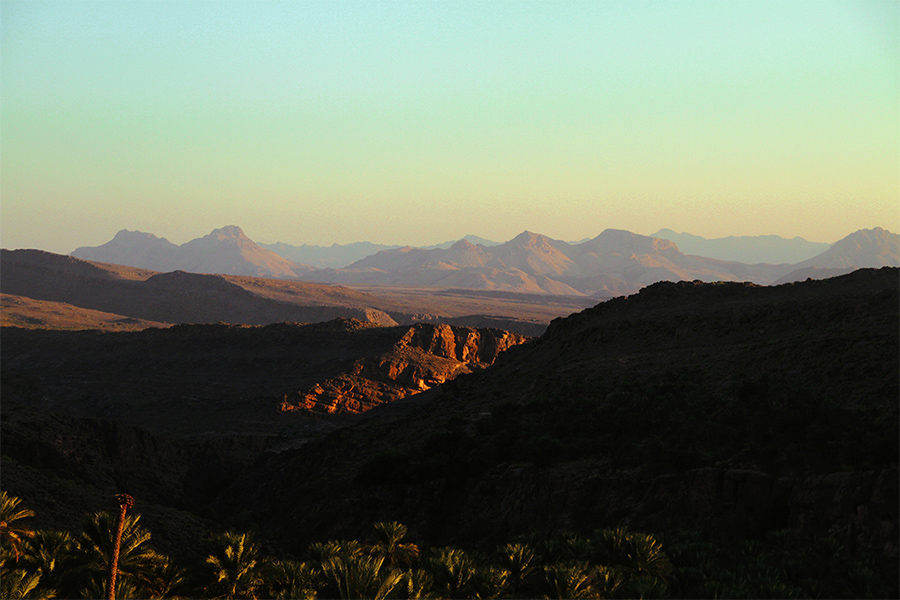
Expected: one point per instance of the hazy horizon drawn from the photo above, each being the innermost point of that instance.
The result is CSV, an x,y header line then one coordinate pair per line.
x,y
414,122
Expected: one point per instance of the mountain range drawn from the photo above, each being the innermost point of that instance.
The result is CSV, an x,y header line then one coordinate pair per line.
x,y
225,251
613,263
770,249
341,255
45,290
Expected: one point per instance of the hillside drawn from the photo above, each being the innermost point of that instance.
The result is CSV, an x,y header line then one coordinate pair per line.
x,y
19,311
181,297
729,411
176,297
725,408
173,415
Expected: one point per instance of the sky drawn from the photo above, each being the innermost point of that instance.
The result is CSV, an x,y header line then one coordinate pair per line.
x,y
421,122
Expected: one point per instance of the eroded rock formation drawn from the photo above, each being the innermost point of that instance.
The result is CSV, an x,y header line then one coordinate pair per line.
x,y
426,356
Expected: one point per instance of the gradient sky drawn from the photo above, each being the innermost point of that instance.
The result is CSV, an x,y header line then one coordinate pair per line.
x,y
420,122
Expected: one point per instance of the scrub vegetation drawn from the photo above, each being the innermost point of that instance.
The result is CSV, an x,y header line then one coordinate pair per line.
x,y
612,563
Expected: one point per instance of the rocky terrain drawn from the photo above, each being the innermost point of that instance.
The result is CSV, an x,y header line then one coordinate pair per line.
x,y
424,357
174,414
728,409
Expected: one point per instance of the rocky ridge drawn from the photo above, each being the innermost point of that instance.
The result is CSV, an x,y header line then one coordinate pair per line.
x,y
426,356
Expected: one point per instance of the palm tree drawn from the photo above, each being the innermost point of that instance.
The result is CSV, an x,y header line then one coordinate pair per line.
x,y
234,567
20,583
165,581
453,571
360,577
643,556
491,581
418,584
389,544
125,502
94,552
320,553
569,580
290,579
51,553
519,560
13,532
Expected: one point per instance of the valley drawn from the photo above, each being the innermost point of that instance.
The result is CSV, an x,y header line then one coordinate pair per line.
x,y
726,412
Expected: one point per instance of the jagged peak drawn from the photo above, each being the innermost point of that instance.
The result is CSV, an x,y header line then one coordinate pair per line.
x,y
875,232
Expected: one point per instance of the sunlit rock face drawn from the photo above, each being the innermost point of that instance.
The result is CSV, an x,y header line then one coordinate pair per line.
x,y
426,356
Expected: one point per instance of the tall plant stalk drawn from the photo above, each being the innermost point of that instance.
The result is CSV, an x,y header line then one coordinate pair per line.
x,y
125,502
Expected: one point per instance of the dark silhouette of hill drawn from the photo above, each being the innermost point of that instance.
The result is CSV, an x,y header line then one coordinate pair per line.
x,y
172,415
729,408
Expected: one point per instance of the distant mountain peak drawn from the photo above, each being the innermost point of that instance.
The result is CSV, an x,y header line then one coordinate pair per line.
x,y
756,249
462,244
229,231
529,239
125,234
226,250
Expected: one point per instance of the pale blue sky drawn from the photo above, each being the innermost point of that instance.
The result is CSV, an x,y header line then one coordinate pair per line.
x,y
420,122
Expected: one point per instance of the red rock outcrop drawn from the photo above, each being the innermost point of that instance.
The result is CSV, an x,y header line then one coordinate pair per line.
x,y
426,356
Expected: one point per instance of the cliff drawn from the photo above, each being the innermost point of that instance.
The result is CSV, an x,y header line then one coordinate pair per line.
x,y
426,356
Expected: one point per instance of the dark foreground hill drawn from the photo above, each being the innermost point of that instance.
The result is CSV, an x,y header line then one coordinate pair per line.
x,y
173,415
732,409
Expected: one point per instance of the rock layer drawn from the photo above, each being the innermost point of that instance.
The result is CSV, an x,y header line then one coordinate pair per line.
x,y
426,356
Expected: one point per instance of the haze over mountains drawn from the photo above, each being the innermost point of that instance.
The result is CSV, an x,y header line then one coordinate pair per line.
x,y
341,255
225,251
613,263
770,249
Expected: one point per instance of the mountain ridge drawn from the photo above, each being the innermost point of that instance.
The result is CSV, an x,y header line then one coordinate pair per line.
x,y
225,251
772,249
614,262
